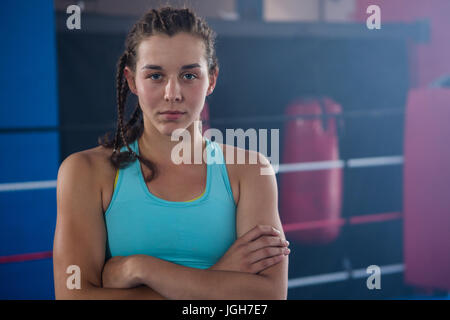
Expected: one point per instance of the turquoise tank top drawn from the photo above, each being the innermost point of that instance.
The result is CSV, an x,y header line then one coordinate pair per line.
x,y
194,233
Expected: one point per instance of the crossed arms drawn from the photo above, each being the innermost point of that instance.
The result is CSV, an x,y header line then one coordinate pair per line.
x,y
254,267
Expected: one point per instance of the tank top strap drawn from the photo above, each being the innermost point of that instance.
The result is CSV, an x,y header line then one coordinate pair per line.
x,y
220,179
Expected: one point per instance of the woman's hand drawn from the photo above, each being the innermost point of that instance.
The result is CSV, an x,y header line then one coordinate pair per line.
x,y
255,251
119,273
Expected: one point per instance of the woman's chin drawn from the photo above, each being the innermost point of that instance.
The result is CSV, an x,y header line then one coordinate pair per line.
x,y
168,129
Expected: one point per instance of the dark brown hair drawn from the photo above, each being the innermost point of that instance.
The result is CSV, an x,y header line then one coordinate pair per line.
x,y
166,20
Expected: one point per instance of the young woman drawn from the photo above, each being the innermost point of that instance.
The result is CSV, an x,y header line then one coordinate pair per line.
x,y
138,225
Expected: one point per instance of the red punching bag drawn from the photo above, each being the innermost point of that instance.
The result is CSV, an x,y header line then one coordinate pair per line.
x,y
311,199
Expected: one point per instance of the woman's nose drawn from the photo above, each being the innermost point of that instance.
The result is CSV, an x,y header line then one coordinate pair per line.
x,y
173,91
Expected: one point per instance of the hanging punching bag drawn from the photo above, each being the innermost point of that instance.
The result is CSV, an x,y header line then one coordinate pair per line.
x,y
426,186
311,198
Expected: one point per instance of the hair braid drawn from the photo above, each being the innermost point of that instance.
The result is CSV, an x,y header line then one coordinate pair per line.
x,y
119,84
122,99
135,115
122,93
158,22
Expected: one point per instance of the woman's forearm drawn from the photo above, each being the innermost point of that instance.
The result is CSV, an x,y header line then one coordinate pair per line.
x,y
90,292
183,283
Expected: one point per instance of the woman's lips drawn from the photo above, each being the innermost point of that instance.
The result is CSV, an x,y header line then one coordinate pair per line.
x,y
172,115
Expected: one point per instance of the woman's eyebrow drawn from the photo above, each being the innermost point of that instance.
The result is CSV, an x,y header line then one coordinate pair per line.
x,y
155,67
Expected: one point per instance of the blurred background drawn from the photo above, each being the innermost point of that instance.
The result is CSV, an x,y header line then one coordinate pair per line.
x,y
363,115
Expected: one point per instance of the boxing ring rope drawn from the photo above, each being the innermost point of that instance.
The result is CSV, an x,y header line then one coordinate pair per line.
x,y
341,276
283,168
32,185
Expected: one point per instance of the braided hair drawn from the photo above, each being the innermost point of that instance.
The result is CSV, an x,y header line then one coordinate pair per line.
x,y
165,20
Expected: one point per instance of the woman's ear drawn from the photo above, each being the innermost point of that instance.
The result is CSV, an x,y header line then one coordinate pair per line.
x,y
212,81
129,75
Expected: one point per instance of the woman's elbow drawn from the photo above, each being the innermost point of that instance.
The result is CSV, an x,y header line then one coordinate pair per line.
x,y
277,294
275,289
82,292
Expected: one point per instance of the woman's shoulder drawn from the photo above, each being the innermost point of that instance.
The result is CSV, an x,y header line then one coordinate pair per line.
x,y
242,160
243,166
93,162
252,171
229,150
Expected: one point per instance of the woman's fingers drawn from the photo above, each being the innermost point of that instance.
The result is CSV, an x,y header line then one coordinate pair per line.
x,y
262,265
266,241
263,247
258,231
266,253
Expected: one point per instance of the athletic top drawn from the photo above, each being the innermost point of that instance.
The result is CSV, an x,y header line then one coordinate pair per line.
x,y
194,233
117,176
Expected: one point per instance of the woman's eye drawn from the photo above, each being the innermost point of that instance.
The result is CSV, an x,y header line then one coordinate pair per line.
x,y
155,76
190,76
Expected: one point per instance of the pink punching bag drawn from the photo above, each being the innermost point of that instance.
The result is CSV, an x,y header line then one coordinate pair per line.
x,y
311,200
426,189
204,117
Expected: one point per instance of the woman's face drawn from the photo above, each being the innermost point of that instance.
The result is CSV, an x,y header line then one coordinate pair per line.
x,y
171,75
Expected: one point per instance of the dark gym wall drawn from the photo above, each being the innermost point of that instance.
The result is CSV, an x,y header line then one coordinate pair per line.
x,y
258,76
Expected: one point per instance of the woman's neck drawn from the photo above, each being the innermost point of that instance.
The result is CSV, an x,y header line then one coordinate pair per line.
x,y
158,147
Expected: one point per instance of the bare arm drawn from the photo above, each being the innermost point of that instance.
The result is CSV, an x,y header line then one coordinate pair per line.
x,y
184,283
257,206
80,235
